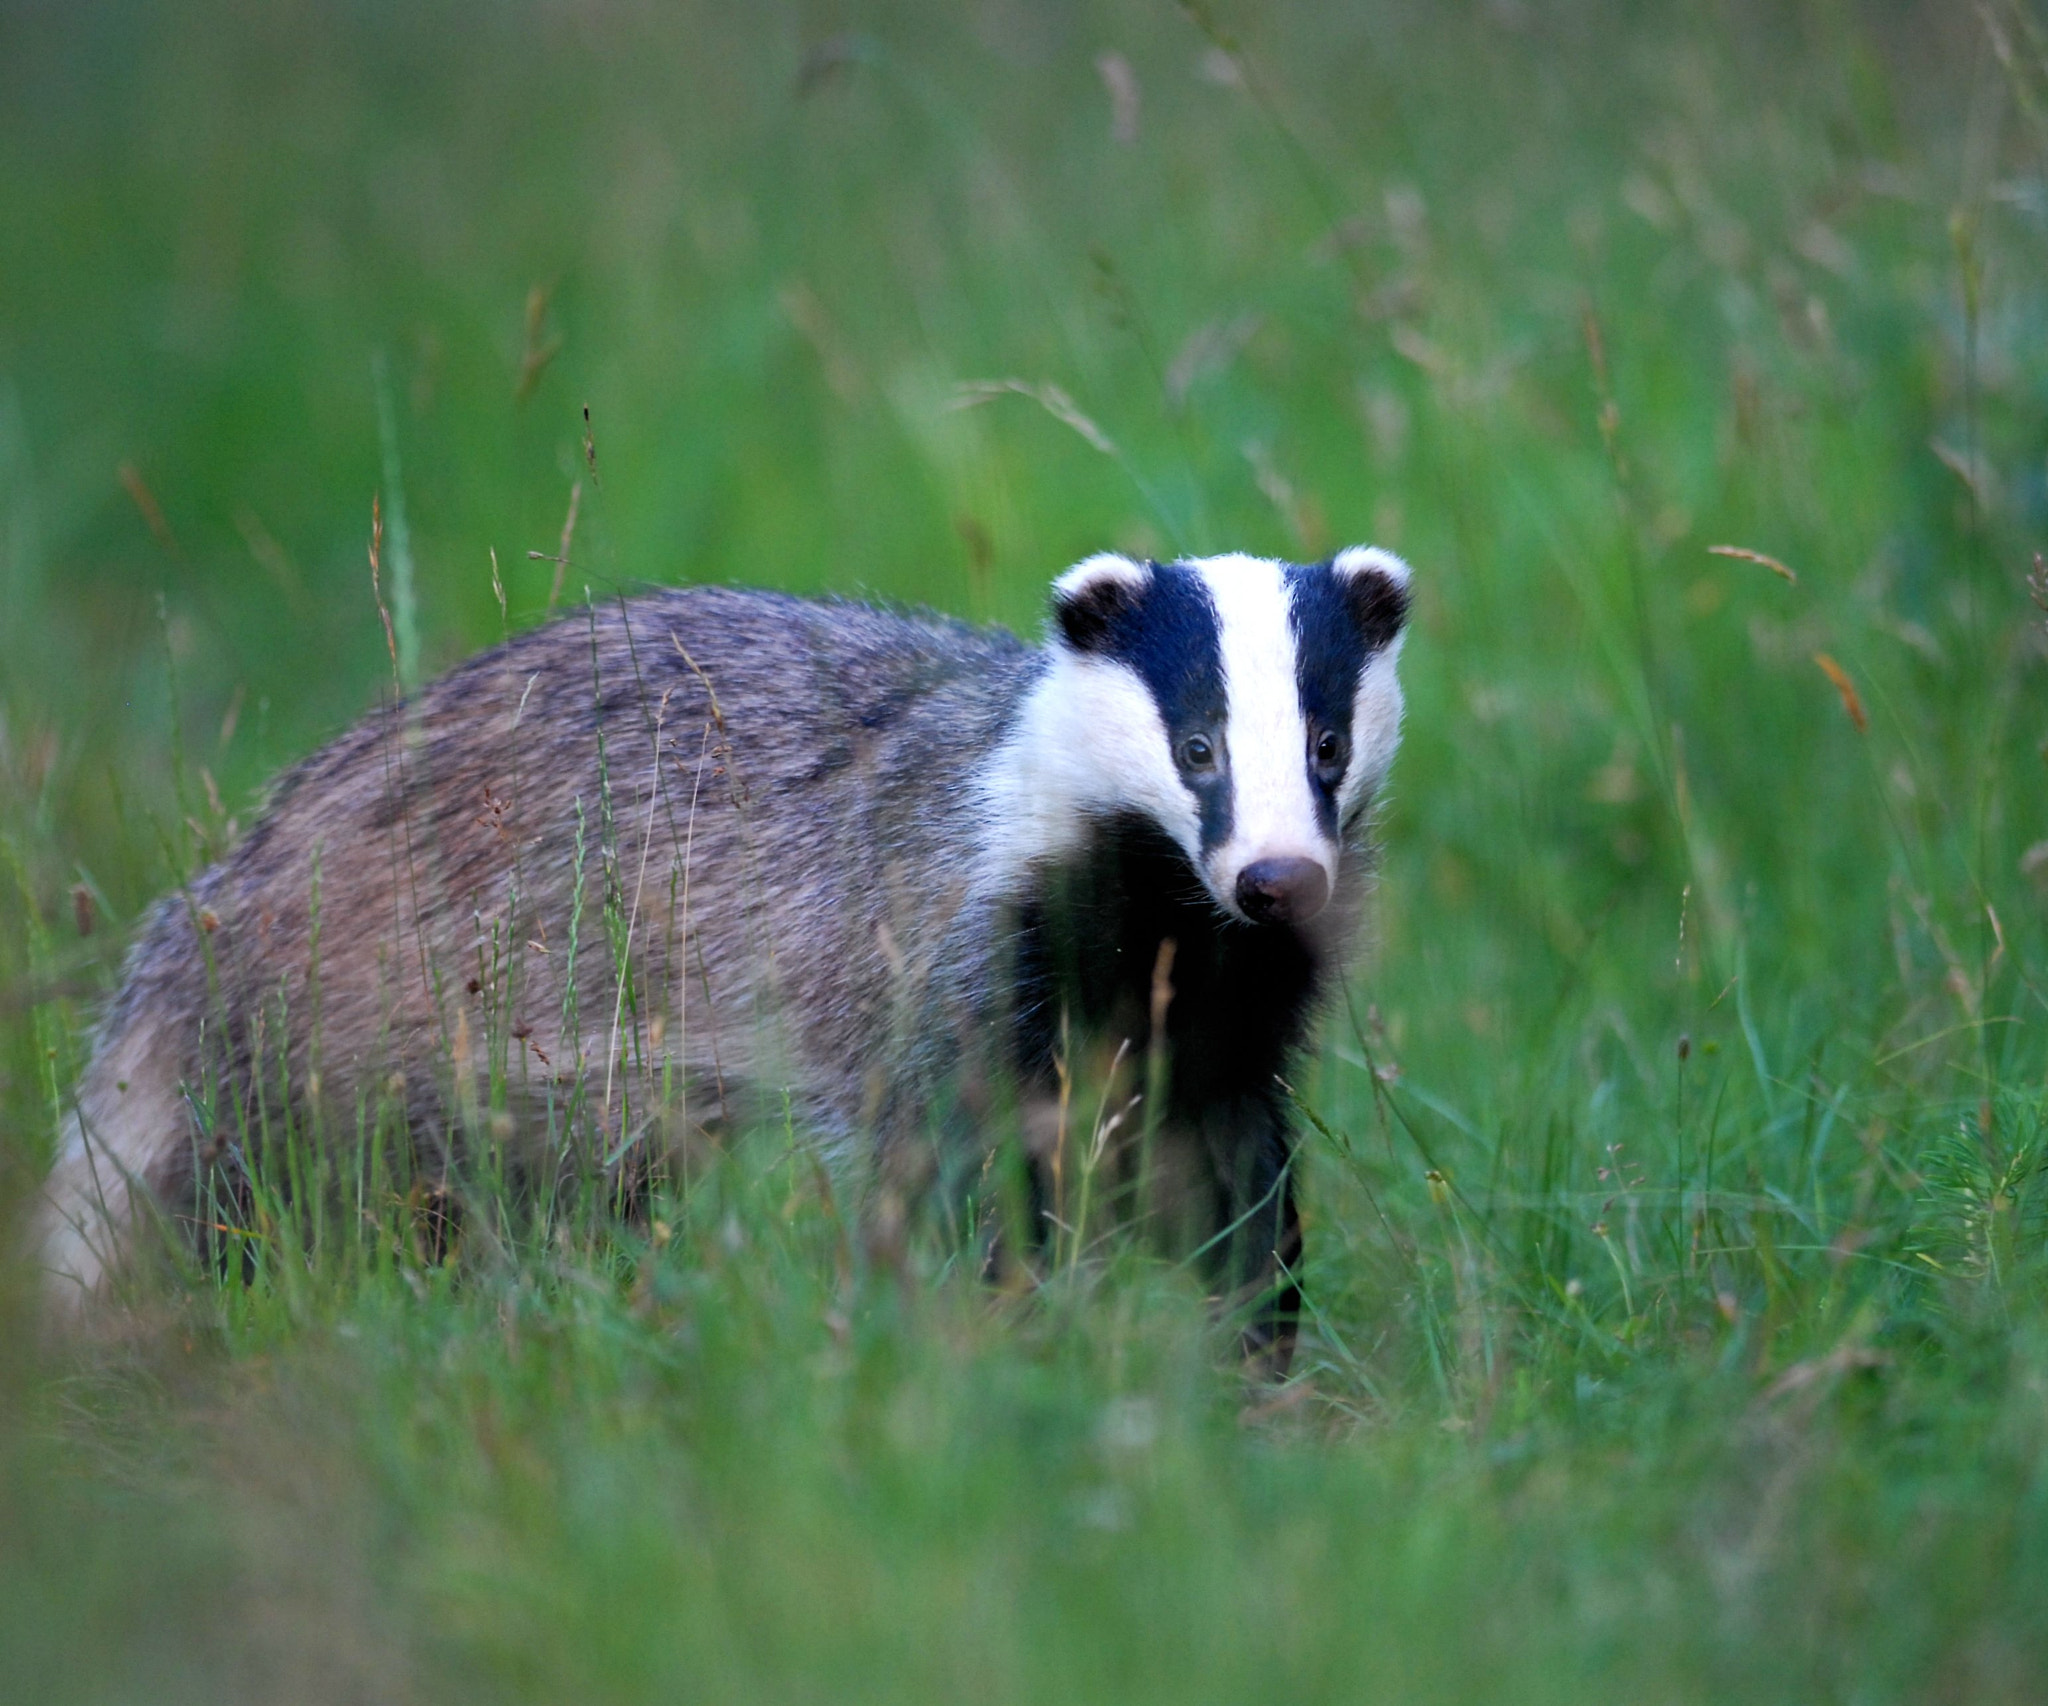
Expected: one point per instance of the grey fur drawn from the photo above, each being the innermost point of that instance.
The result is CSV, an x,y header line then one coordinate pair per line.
x,y
803,801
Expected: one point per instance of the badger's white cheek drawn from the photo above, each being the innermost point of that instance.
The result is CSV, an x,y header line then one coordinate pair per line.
x,y
1089,741
1120,741
1375,730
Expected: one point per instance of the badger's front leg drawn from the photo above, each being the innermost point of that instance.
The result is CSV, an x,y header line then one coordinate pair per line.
x,y
1215,1187
1256,1253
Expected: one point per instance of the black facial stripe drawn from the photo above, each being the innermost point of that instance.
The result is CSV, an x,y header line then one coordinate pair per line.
x,y
1169,637
1338,625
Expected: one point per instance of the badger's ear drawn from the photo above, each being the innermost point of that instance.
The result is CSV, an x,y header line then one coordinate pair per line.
x,y
1089,598
1375,586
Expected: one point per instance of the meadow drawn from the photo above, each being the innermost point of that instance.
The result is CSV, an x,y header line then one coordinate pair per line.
x,y
1673,1166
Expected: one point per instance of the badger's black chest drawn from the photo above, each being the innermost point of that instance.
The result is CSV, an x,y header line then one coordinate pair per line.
x,y
1237,996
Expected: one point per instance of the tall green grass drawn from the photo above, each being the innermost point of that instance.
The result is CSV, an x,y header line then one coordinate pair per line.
x,y
1673,1168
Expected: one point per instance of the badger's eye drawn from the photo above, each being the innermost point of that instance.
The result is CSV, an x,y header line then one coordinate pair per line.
x,y
1198,752
1330,750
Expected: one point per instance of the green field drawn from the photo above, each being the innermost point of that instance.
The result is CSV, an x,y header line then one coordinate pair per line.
x,y
1674,1166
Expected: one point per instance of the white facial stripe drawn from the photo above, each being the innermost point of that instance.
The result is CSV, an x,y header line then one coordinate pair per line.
x,y
1089,739
1273,808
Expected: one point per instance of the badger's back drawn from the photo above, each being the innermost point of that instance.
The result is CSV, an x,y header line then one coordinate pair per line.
x,y
693,840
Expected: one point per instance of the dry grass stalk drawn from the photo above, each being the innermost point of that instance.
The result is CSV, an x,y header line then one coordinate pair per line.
x,y
376,579
1852,701
498,591
1048,396
146,505
1122,83
541,347
561,557
1748,556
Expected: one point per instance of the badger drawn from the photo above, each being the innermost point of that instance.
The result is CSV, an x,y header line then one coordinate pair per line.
x,y
703,851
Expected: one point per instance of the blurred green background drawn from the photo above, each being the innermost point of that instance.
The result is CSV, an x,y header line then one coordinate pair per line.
x,y
1674,1163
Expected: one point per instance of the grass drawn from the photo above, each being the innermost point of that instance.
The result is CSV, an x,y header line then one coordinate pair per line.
x,y
1673,1168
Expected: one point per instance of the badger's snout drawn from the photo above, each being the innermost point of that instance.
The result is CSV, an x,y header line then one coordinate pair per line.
x,y
1282,891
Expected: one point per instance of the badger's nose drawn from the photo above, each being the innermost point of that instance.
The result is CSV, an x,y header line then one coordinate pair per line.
x,y
1282,891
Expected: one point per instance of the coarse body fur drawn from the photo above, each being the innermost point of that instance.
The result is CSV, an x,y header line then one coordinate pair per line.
x,y
671,862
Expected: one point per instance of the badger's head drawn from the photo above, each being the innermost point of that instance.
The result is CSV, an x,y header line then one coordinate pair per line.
x,y
1248,707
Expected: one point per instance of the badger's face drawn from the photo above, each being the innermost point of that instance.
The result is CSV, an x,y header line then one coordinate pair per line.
x,y
1249,707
